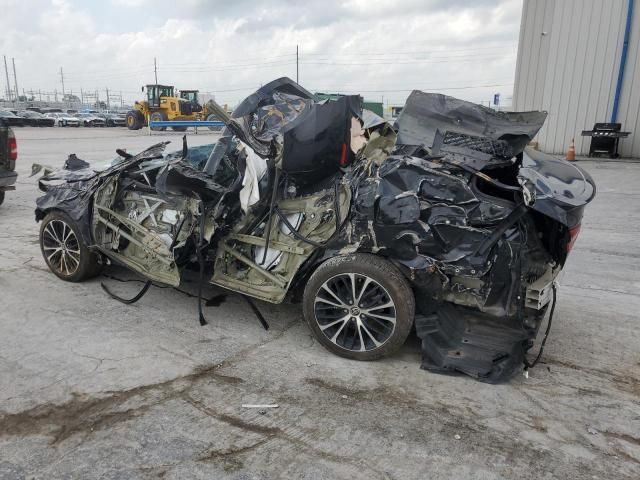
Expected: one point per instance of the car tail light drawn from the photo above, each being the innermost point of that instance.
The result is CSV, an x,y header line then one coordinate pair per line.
x,y
13,146
343,155
573,235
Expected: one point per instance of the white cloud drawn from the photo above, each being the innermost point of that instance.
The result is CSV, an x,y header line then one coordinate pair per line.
x,y
379,48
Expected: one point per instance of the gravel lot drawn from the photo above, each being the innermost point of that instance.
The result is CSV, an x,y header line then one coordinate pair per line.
x,y
91,388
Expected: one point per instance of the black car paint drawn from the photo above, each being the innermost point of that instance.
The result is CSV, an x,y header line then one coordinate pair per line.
x,y
469,215
12,119
36,119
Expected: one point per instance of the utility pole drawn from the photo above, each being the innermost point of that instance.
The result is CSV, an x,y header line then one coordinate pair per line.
x,y
155,69
108,106
6,72
297,64
15,79
62,78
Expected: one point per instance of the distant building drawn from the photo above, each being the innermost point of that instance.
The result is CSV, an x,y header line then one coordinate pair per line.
x,y
569,58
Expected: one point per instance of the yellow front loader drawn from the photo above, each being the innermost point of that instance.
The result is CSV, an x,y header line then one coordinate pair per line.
x,y
161,105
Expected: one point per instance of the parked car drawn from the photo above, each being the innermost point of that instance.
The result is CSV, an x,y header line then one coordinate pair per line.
x,y
36,119
8,157
64,119
445,221
12,119
91,120
114,119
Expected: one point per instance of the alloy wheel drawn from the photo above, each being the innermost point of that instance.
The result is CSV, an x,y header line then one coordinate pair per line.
x,y
61,247
355,312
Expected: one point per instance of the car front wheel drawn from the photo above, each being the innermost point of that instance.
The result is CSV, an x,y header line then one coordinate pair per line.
x,y
63,249
359,306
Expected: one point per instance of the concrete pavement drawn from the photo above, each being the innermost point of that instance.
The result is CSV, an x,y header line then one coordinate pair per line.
x,y
91,388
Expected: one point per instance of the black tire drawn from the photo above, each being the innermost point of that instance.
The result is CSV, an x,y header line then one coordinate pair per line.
x,y
364,329
1,197
158,117
75,262
135,120
179,129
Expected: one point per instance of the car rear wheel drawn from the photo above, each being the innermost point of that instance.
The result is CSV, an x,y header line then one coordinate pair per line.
x,y
1,197
64,251
359,306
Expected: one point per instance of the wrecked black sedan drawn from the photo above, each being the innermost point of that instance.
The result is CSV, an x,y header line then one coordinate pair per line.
x,y
445,221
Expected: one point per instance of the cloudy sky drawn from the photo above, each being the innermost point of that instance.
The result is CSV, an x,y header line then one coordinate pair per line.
x,y
381,49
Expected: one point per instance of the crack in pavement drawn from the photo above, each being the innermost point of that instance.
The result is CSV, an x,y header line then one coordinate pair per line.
x,y
270,433
85,414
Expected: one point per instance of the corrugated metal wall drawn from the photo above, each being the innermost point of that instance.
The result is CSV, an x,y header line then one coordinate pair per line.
x,y
568,60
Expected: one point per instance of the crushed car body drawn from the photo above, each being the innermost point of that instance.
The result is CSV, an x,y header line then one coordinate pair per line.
x,y
445,221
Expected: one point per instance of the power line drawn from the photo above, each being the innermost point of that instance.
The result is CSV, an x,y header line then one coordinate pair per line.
x,y
229,68
466,87
217,62
395,62
400,52
406,60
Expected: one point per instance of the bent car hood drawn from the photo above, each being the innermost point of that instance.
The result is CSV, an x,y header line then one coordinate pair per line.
x,y
478,135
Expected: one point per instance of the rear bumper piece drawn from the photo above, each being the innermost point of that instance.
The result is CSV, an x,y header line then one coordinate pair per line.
x,y
7,180
486,347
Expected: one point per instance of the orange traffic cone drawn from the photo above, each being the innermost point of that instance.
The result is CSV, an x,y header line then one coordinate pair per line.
x,y
571,153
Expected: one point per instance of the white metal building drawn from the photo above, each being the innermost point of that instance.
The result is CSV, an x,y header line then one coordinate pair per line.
x,y
569,59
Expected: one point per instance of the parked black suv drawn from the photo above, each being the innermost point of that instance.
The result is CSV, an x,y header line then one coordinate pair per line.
x,y
8,156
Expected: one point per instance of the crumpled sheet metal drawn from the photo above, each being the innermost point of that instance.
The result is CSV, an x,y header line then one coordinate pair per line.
x,y
426,114
417,198
422,209
71,189
264,96
433,221
308,140
318,142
